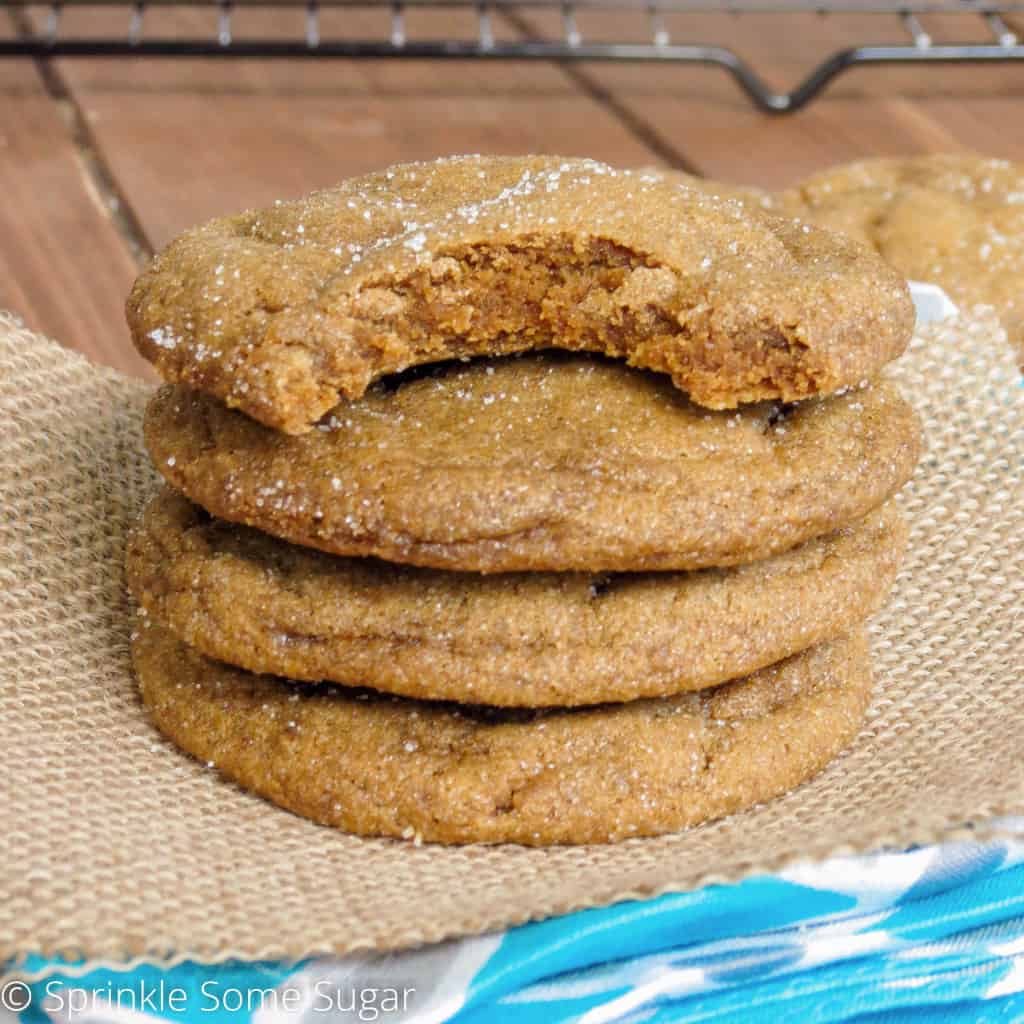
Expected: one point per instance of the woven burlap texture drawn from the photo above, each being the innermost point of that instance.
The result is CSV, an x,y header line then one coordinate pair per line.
x,y
116,845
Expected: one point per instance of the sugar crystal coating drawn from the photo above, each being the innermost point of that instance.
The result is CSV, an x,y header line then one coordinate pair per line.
x,y
282,311
543,462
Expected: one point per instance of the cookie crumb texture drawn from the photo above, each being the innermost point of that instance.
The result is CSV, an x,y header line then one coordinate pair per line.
x,y
522,639
543,462
281,312
380,766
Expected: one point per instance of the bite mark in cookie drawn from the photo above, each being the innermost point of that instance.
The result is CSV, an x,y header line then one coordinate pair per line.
x,y
281,312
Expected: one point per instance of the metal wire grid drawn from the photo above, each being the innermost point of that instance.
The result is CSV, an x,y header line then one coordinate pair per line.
x,y
917,48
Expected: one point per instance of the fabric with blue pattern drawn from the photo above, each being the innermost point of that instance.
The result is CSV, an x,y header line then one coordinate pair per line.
x,y
935,933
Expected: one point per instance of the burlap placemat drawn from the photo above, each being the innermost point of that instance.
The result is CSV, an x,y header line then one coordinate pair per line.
x,y
116,845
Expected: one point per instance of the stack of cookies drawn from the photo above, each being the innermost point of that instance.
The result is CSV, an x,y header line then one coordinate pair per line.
x,y
516,500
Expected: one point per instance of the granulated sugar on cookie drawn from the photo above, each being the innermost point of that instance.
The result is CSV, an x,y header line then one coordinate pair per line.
x,y
542,463
281,312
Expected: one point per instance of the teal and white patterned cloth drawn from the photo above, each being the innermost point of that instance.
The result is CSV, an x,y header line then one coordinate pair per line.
x,y
932,934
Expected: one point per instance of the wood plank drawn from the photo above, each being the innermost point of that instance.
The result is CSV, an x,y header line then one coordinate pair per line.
x,y
698,114
63,267
190,139
990,125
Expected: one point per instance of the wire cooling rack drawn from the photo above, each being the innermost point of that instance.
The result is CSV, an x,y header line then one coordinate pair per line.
x,y
43,36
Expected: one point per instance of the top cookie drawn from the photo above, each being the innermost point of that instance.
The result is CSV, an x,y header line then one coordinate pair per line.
x,y
280,312
956,220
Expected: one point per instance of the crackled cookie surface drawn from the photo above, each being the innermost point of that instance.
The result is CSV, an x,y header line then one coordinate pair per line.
x,y
955,220
281,312
523,639
543,462
390,766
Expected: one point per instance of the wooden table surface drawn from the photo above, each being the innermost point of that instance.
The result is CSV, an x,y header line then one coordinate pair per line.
x,y
103,161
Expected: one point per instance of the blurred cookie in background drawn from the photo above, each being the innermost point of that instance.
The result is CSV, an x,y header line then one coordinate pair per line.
x,y
956,220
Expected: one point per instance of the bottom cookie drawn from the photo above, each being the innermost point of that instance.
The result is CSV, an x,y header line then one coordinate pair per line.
x,y
390,766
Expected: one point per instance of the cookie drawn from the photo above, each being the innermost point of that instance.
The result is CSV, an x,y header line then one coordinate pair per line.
x,y
531,640
281,312
390,766
543,462
955,220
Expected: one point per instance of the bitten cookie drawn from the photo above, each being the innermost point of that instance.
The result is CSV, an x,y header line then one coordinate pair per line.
x,y
281,312
543,462
956,220
385,766
524,639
